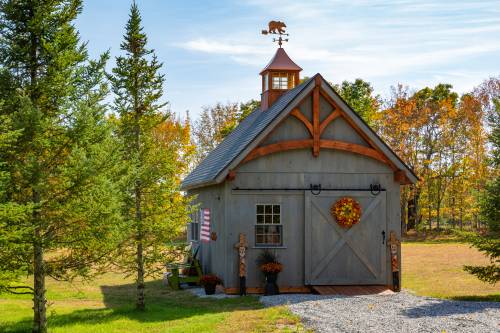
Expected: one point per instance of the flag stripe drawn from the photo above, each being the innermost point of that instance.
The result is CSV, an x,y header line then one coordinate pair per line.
x,y
205,226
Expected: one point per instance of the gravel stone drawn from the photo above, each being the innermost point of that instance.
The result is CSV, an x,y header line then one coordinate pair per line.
x,y
399,312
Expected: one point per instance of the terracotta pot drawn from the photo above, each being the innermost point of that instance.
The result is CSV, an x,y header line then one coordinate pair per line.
x,y
209,289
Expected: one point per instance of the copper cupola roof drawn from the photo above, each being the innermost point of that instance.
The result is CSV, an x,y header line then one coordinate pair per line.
x,y
281,62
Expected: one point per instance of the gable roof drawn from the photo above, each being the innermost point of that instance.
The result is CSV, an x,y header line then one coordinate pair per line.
x,y
250,132
219,158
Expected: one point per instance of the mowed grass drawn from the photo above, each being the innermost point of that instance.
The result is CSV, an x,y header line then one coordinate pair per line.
x,y
107,305
436,269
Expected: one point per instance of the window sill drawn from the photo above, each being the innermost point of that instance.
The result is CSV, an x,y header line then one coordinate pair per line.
x,y
269,247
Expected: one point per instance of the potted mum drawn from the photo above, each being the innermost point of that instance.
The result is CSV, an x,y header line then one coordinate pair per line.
x,y
269,265
209,282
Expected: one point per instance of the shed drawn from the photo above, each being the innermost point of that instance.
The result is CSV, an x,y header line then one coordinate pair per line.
x,y
276,177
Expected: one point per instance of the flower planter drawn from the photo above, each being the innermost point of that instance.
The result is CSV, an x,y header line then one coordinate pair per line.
x,y
271,288
209,289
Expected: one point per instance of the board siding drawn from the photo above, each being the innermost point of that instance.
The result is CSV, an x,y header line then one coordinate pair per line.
x,y
290,169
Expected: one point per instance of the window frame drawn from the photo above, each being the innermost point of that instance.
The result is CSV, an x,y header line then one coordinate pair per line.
x,y
282,83
285,80
263,224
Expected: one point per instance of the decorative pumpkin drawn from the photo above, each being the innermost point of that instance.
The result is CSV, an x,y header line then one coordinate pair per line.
x,y
346,211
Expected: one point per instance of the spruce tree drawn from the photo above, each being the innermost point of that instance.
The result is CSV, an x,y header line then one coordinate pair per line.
x,y
489,243
154,208
63,209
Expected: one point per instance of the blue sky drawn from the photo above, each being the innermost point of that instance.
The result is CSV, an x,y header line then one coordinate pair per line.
x,y
213,50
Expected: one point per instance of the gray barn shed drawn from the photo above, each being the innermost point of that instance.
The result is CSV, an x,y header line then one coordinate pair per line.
x,y
276,176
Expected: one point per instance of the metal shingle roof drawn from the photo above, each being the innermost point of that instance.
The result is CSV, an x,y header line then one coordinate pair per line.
x,y
219,158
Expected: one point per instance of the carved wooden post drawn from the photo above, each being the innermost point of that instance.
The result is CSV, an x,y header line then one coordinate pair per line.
x,y
393,244
241,246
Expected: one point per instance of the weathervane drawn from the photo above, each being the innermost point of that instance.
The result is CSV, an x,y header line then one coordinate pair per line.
x,y
277,28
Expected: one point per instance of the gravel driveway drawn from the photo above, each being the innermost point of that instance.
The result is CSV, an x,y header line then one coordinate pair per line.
x,y
400,312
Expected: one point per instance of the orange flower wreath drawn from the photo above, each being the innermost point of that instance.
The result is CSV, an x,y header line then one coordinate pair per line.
x,y
346,211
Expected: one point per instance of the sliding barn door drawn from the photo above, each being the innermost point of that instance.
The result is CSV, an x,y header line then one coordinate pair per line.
x,y
338,256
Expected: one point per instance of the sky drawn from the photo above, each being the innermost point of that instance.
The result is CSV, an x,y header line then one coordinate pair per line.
x,y
213,51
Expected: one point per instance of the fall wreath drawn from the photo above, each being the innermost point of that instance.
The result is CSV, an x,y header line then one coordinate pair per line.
x,y
346,211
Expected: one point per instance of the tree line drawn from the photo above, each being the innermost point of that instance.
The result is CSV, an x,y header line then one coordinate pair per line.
x,y
85,185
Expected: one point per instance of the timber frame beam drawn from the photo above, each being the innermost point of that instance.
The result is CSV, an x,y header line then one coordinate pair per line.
x,y
316,128
309,143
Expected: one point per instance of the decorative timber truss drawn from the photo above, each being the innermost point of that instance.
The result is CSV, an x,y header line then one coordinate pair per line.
x,y
315,142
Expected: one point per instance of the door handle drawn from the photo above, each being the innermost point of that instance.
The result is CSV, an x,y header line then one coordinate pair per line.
x,y
383,236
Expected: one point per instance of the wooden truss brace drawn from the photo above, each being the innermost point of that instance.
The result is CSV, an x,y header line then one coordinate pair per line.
x,y
316,128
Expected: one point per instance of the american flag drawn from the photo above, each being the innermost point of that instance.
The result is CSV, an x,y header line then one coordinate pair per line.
x,y
205,225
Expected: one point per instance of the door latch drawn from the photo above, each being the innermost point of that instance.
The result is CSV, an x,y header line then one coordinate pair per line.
x,y
383,236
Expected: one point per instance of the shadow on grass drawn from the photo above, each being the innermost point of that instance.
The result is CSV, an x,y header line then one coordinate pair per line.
x,y
162,304
449,307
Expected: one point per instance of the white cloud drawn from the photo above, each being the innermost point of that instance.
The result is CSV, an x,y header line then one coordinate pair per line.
x,y
220,47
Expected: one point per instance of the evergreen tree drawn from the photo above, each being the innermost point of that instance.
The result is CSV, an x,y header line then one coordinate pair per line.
x,y
490,211
59,210
154,208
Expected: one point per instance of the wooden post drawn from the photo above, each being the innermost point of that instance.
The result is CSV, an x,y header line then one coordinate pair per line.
x,y
242,246
393,244
315,106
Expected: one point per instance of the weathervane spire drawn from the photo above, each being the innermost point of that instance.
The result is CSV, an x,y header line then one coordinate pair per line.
x,y
276,28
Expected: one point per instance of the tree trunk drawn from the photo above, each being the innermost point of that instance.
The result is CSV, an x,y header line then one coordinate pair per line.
x,y
404,225
141,304
412,210
39,301
461,218
438,215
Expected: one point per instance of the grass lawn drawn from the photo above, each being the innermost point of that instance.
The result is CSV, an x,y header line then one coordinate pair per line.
x,y
436,269
107,306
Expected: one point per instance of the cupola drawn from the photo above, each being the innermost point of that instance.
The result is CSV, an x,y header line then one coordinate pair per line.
x,y
279,76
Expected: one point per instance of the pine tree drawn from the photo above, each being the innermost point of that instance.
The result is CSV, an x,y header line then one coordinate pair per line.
x,y
63,209
154,208
490,211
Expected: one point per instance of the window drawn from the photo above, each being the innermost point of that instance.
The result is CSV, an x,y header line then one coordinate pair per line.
x,y
266,82
283,81
194,230
268,227
280,81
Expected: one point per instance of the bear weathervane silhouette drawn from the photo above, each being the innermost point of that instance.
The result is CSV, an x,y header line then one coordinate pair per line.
x,y
276,28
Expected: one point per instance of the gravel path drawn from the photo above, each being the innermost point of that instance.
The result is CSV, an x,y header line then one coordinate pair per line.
x,y
400,312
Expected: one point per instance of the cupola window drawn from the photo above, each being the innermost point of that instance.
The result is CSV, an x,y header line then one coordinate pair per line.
x,y
283,81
